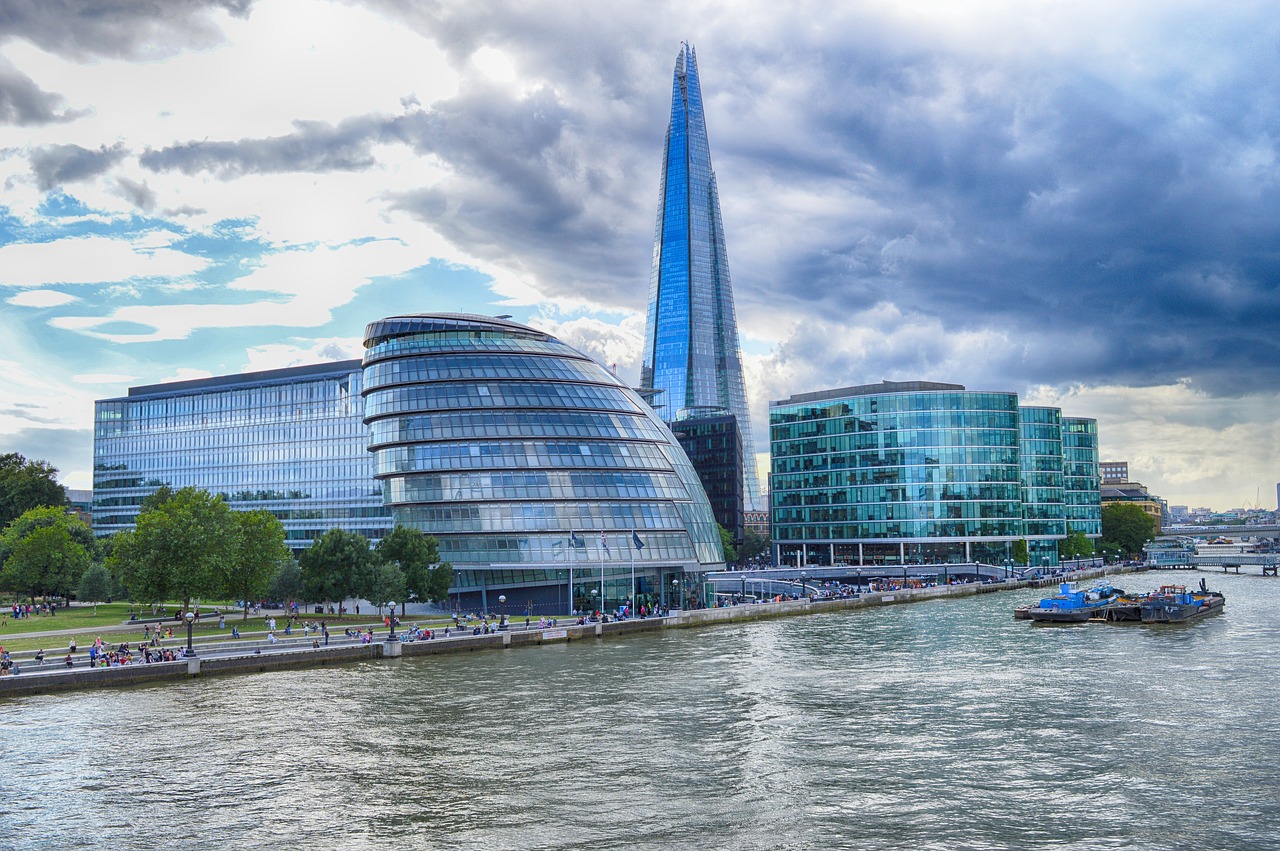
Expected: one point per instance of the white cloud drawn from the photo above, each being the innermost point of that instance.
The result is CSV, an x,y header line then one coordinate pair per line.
x,y
90,260
281,355
103,378
41,298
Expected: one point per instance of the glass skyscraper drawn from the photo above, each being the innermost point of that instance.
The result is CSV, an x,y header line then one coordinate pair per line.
x,y
921,472
544,478
291,441
692,360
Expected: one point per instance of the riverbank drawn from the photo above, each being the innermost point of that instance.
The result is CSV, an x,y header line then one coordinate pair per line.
x,y
258,657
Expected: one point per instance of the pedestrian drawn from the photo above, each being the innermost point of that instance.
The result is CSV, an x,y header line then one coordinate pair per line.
x,y
324,628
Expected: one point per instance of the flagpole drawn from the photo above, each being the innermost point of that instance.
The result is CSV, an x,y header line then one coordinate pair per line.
x,y
632,550
602,605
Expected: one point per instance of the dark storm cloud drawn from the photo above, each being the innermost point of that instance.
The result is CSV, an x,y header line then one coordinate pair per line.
x,y
89,29
24,103
58,164
314,147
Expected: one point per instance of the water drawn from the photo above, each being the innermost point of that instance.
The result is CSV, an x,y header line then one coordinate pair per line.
x,y
943,724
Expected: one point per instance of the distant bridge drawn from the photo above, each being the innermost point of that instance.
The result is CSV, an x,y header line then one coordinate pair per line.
x,y
1264,530
770,581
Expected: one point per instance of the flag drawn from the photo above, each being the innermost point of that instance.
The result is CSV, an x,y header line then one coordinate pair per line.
x,y
575,541
635,540
604,543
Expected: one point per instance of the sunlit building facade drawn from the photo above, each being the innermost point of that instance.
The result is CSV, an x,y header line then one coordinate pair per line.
x,y
917,473
291,441
546,480
1082,480
692,361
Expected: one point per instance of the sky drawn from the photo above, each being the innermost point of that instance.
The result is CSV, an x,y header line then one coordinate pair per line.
x,y
1075,201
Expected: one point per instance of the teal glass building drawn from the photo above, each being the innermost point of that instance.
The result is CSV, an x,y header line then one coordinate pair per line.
x,y
544,478
1082,482
692,360
918,473
291,441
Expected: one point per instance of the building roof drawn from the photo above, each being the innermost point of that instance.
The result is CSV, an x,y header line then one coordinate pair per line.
x,y
868,390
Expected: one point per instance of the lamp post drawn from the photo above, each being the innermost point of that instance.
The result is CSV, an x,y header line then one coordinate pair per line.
x,y
675,593
391,636
191,620
803,576
594,594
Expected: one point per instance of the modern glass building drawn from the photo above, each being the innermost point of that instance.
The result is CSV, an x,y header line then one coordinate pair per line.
x,y
546,480
916,472
692,359
714,446
1082,481
291,441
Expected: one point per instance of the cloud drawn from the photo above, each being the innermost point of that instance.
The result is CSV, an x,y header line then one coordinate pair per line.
x,y
58,164
24,103
135,30
89,260
138,193
41,298
302,352
103,378
313,146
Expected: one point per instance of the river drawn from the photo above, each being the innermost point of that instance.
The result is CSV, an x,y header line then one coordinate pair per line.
x,y
943,724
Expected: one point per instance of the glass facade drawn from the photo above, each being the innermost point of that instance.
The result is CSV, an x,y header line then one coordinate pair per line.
x,y
692,357
533,466
291,441
1082,481
714,445
915,472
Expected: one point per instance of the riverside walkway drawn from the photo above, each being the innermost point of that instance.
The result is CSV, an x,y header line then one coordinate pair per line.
x,y
250,654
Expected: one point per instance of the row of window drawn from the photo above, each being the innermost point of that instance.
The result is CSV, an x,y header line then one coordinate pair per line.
x,y
539,517
523,424
534,484
897,511
556,549
437,397
915,439
900,458
890,422
900,529
862,406
479,366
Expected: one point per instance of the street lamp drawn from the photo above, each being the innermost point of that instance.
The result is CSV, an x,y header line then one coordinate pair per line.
x,y
675,593
803,576
191,620
391,636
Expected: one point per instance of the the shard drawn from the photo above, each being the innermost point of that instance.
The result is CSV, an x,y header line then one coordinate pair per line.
x,y
692,362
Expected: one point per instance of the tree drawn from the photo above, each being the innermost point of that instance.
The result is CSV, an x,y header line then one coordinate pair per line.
x,y
42,554
333,567
259,552
1020,553
1075,545
95,586
286,583
753,544
383,583
726,543
418,556
1126,527
178,549
25,485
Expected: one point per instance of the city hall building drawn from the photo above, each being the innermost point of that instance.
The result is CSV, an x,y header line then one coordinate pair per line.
x,y
291,441
922,472
546,480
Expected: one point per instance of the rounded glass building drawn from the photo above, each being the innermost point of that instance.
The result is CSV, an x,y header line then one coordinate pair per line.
x,y
546,480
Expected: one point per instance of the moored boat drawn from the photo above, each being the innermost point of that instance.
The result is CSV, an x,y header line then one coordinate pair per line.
x,y
1070,605
1174,603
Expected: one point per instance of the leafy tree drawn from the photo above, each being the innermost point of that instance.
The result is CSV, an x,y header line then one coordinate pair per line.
x,y
1020,553
383,583
95,586
753,544
178,549
1075,545
333,567
286,583
25,485
418,556
45,551
1126,527
726,543
259,552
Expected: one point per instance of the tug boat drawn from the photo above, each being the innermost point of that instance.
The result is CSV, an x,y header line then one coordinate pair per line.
x,y
1174,603
1071,605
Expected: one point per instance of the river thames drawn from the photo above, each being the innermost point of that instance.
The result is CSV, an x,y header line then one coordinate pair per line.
x,y
943,724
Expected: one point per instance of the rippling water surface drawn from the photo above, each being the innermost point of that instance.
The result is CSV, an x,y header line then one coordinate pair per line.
x,y
943,724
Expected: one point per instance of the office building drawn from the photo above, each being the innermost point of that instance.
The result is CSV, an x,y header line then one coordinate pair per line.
x,y
549,484
692,360
714,446
291,441
1114,472
924,472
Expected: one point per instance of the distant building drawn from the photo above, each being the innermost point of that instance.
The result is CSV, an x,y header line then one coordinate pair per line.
x,y
758,522
291,441
1114,472
81,502
714,445
1136,493
923,472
